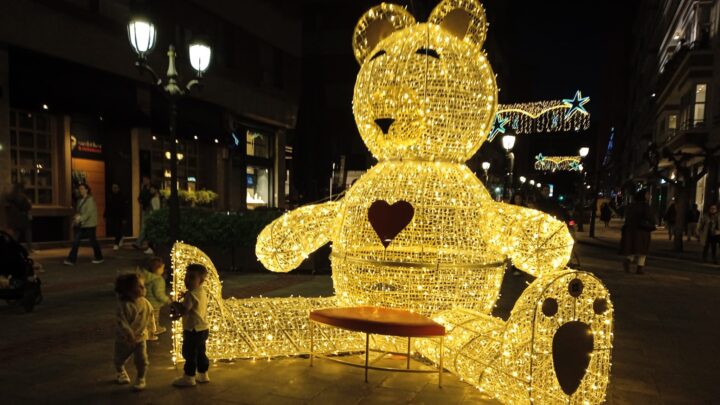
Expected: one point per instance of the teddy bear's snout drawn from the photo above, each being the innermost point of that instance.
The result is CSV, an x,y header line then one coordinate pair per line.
x,y
384,124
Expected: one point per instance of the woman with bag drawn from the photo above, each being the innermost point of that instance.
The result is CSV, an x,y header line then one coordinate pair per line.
x,y
635,239
84,224
709,229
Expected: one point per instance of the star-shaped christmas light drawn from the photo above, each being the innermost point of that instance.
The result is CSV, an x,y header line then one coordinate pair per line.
x,y
575,104
498,127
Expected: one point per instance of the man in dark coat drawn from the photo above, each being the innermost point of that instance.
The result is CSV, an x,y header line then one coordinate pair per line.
x,y
115,211
605,214
635,239
670,217
145,206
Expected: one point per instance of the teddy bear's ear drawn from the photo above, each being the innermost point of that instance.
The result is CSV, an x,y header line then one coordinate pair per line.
x,y
375,25
463,18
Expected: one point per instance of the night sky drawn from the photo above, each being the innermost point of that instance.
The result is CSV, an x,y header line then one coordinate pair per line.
x,y
550,49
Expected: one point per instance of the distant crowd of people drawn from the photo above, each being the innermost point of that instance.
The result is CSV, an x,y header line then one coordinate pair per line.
x,y
85,220
17,220
641,220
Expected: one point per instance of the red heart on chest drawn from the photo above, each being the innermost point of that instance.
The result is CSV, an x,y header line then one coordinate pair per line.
x,y
389,220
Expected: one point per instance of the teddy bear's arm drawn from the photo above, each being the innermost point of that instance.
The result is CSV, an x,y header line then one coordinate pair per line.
x,y
288,240
534,241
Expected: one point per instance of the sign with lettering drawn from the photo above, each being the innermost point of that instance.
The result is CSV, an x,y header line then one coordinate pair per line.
x,y
85,139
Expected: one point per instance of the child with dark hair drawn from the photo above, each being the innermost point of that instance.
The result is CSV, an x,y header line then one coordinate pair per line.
x,y
193,310
134,321
155,290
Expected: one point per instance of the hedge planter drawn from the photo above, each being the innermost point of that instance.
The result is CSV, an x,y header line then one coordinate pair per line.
x,y
228,238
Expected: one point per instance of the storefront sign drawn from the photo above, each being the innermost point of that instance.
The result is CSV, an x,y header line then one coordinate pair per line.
x,y
85,140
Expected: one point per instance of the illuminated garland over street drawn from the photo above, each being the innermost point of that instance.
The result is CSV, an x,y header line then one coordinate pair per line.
x,y
555,163
419,231
543,116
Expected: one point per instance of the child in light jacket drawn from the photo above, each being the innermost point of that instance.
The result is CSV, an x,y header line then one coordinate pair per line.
x,y
135,321
155,290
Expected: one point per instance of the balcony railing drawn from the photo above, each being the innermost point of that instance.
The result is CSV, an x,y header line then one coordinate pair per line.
x,y
695,54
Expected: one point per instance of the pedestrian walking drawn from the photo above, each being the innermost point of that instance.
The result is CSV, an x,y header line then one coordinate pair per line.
x,y
145,207
154,206
519,200
670,217
193,310
17,209
155,290
116,208
84,226
635,236
709,230
693,217
133,325
605,214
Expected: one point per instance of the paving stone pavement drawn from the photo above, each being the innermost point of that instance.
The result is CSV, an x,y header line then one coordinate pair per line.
x,y
667,343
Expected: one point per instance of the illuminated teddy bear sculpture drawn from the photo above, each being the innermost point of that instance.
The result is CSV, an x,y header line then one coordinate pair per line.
x,y
419,231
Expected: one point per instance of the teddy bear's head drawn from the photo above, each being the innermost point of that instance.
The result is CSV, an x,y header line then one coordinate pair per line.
x,y
424,91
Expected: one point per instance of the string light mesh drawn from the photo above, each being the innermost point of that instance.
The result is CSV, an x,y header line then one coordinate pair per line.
x,y
255,327
543,117
555,163
447,257
513,360
439,91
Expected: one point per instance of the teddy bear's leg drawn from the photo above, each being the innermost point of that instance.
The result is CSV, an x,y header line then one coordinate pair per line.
x,y
470,346
270,327
555,348
255,327
557,343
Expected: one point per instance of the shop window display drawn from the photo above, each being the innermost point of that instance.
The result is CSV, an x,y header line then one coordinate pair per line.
x,y
258,187
258,144
31,155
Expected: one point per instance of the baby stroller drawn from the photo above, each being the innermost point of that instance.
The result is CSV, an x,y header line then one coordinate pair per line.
x,y
18,282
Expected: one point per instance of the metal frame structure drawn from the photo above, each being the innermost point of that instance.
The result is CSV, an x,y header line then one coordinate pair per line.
x,y
368,364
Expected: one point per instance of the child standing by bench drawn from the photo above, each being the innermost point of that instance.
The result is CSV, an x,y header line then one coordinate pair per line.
x,y
193,310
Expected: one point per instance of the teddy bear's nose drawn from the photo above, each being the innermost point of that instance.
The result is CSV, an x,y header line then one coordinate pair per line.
x,y
384,124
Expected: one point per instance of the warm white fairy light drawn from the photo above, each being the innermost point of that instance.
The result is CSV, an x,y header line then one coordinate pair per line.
x,y
555,163
448,259
543,117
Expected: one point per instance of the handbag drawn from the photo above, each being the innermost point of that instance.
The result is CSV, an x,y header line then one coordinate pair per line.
x,y
76,224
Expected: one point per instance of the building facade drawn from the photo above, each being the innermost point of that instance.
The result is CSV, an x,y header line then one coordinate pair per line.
x,y
673,108
73,108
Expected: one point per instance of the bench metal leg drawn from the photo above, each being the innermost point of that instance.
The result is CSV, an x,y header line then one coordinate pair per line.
x,y
440,367
367,353
408,354
312,342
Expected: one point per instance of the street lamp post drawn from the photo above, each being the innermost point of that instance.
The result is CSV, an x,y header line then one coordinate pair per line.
x,y
583,152
508,142
142,36
486,167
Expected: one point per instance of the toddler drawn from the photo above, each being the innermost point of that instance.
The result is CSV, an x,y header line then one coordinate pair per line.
x,y
134,321
193,310
155,290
